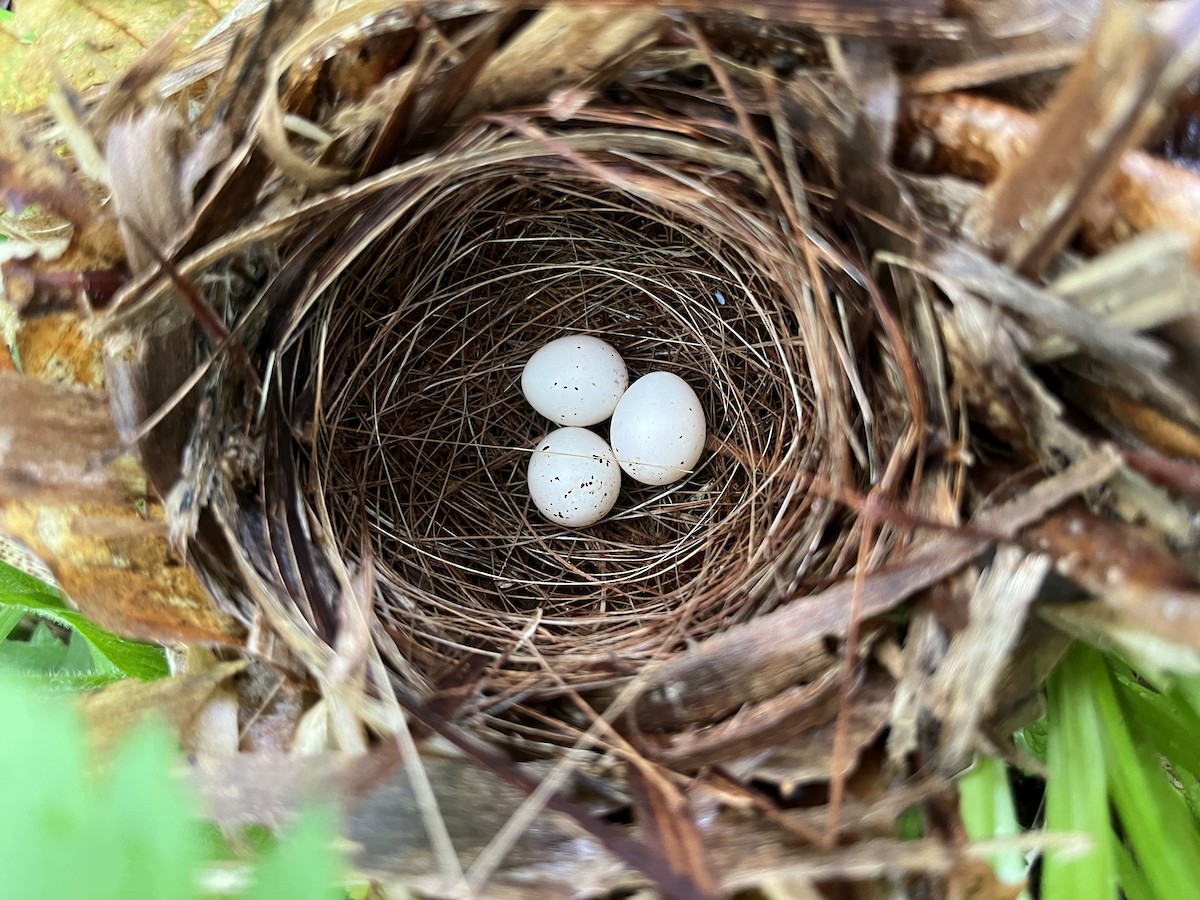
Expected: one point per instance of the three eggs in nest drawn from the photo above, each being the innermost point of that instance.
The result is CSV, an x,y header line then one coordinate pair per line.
x,y
657,430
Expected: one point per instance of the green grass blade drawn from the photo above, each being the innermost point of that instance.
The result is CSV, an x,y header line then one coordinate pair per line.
x,y
10,618
1076,790
47,808
42,653
1165,722
154,840
1153,814
986,805
1187,689
1133,881
130,832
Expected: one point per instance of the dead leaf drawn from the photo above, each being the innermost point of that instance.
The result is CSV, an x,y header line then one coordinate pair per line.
x,y
975,879
562,46
130,584
384,826
808,758
1106,105
113,711
1146,600
37,463
757,660
962,689
771,721
977,138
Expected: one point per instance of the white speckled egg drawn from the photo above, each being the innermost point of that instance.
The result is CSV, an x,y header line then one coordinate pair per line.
x,y
575,380
658,429
574,478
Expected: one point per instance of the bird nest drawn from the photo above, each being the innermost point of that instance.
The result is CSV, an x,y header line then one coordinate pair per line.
x,y
423,435
340,233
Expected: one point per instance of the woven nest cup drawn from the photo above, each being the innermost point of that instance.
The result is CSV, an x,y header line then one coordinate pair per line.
x,y
424,435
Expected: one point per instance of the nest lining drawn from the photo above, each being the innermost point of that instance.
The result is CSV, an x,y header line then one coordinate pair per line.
x,y
424,433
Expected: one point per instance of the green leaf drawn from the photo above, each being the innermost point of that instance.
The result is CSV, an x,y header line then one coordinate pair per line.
x,y
1077,788
42,653
129,833
10,618
1032,739
1187,689
986,805
47,799
303,865
25,593
1153,814
16,586
1110,741
910,824
153,843
1133,882
1169,724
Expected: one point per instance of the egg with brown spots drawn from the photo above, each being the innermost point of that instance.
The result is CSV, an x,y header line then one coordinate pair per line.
x,y
575,380
574,478
658,429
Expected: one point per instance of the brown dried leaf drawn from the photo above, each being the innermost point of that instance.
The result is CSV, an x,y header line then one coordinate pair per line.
x,y
986,361
31,174
111,712
962,689
57,442
1019,697
747,853
1137,421
123,579
976,879
767,723
977,138
1179,475
563,46
924,648
1046,313
142,374
384,825
808,757
988,70
1142,283
271,705
70,496
867,18
1146,599
144,156
57,349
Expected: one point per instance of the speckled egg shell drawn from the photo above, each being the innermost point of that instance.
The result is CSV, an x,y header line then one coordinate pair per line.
x,y
574,478
575,380
658,429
